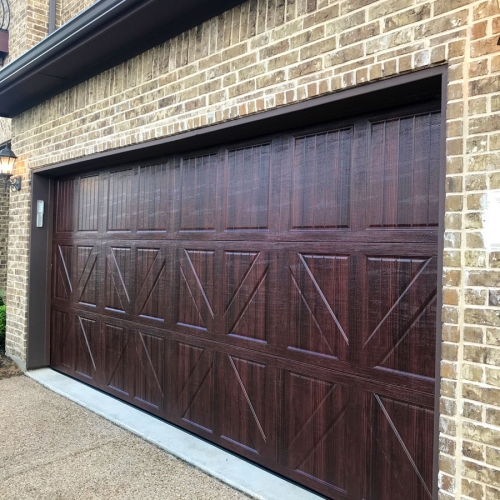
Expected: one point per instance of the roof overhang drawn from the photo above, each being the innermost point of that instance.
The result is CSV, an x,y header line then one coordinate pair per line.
x,y
104,35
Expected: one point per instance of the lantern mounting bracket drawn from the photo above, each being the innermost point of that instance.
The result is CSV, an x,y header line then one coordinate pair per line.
x,y
13,182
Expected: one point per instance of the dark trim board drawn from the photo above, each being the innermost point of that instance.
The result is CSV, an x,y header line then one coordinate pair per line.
x,y
424,85
39,276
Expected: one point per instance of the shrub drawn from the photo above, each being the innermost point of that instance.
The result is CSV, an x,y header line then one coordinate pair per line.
x,y
3,317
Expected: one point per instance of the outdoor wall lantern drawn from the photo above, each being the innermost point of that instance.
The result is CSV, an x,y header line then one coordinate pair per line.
x,y
7,160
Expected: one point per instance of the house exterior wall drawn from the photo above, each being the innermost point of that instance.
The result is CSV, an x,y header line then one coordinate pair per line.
x,y
68,9
5,130
29,25
5,135
269,53
4,236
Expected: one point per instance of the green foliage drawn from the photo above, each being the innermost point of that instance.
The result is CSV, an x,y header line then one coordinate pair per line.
x,y
3,317
2,296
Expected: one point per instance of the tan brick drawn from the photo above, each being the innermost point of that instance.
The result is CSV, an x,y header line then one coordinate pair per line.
x,y
454,165
475,182
446,6
442,24
345,23
488,85
493,336
354,5
475,297
451,333
473,220
318,48
448,370
271,79
305,68
407,17
472,411
493,456
478,68
472,489
307,37
359,34
388,7
452,239
493,416
474,240
494,180
482,317
283,61
456,49
494,142
492,376
485,9
478,106
484,47
322,16
390,40
447,464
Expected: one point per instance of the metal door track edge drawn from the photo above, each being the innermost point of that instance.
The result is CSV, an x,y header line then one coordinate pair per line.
x,y
234,471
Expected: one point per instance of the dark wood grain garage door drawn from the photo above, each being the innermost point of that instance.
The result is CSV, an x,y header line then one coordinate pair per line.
x,y
277,297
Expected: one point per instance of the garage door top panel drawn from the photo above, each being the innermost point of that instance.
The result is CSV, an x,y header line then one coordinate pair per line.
x,y
359,181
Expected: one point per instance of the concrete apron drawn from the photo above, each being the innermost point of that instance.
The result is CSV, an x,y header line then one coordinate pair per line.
x,y
218,463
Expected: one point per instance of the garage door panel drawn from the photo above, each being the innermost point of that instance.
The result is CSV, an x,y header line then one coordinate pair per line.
x,y
400,442
156,199
246,413
87,348
89,207
87,274
318,298
65,206
321,181
403,172
118,278
400,313
248,188
149,386
247,304
63,279
315,429
196,301
119,200
151,277
118,345
62,339
192,375
198,193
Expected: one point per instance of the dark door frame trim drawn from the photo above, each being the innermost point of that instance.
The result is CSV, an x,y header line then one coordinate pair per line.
x,y
425,84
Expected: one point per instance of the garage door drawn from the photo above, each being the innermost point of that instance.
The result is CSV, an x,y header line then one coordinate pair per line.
x,y
275,296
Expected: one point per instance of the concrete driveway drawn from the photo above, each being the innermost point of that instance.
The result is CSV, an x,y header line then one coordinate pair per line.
x,y
53,449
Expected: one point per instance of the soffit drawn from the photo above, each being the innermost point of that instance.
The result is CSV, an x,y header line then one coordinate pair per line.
x,y
106,34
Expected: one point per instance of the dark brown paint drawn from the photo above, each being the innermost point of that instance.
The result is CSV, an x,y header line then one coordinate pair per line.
x,y
277,296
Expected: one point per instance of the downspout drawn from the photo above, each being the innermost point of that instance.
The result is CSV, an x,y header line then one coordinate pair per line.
x,y
52,16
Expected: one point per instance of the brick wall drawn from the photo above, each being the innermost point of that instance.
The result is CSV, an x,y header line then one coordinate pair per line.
x,y
68,9
28,25
269,53
4,234
5,130
5,135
